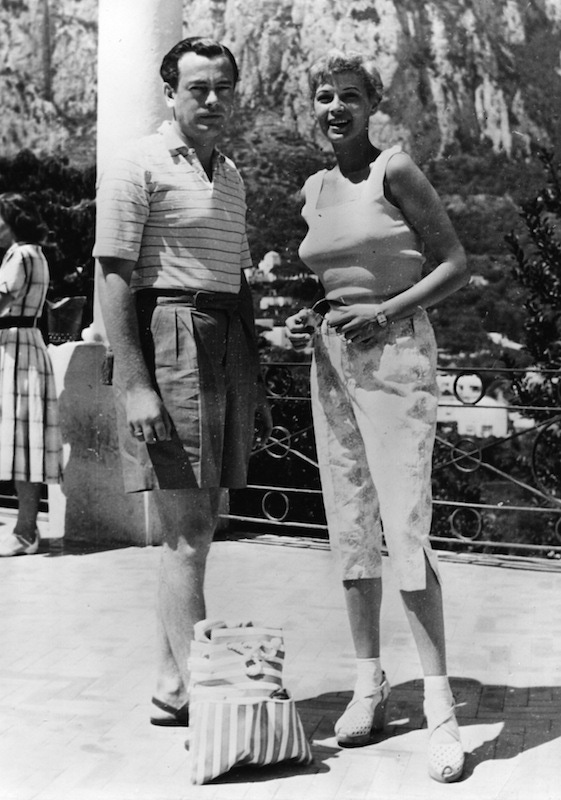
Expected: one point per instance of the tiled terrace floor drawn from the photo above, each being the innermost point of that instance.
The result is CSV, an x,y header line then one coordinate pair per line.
x,y
76,671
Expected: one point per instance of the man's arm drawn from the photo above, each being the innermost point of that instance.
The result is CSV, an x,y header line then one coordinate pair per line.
x,y
146,413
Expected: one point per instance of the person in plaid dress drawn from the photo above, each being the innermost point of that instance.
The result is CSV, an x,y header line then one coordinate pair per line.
x,y
30,439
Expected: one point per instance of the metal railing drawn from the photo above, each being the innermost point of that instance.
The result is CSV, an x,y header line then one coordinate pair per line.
x,y
496,467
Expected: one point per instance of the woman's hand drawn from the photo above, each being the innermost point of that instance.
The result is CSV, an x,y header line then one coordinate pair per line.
x,y
301,327
356,322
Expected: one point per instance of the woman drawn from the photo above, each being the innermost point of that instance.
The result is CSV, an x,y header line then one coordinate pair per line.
x,y
374,394
30,441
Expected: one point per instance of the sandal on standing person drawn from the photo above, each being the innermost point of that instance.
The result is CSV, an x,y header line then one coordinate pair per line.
x,y
373,386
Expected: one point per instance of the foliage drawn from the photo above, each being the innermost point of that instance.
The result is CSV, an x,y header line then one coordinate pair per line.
x,y
65,196
275,164
480,188
483,172
537,267
462,323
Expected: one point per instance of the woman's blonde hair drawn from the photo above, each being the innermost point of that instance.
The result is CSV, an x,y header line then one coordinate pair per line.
x,y
338,61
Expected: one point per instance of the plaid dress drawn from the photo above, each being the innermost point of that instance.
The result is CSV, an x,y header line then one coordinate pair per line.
x,y
30,439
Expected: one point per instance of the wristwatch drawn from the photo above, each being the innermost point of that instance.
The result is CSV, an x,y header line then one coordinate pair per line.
x,y
381,319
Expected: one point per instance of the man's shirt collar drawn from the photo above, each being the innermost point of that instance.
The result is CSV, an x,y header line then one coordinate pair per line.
x,y
179,146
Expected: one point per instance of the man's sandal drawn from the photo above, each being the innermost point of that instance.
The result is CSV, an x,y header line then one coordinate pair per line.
x,y
168,716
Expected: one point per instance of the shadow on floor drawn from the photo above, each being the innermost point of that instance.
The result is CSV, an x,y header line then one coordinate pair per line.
x,y
520,718
55,547
529,716
524,717
276,771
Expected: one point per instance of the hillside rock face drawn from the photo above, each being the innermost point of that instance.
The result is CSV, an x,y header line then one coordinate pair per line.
x,y
457,72
48,76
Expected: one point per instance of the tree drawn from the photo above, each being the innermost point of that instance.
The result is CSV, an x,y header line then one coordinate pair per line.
x,y
275,163
65,196
46,46
538,267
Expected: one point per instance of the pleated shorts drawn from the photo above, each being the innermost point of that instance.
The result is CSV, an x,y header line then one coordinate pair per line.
x,y
203,367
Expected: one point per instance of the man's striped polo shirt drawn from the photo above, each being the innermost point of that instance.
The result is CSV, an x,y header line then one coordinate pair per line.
x,y
157,207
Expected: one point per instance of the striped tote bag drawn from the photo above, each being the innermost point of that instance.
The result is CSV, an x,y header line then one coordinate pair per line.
x,y
240,713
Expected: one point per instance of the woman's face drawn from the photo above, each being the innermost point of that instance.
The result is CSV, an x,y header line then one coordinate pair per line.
x,y
342,107
6,234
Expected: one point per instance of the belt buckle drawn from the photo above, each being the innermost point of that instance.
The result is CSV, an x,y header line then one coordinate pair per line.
x,y
199,300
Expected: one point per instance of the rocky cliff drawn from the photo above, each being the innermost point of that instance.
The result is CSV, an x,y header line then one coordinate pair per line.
x,y
457,72
48,76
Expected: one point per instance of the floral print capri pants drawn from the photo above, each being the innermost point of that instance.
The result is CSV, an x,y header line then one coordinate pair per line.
x,y
374,408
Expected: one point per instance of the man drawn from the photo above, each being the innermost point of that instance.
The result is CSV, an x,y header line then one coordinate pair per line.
x,y
171,241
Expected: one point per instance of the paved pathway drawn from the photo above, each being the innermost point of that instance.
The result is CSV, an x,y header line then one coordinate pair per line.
x,y
76,672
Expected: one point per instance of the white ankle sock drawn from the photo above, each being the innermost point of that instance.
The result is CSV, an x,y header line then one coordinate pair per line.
x,y
438,686
438,700
368,676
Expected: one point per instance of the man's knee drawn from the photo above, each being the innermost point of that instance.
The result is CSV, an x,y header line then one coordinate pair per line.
x,y
189,518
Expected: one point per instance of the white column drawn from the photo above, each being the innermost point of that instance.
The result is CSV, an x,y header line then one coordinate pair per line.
x,y
134,35
91,504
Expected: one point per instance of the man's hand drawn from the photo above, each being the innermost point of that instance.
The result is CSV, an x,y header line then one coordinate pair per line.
x,y
301,327
147,417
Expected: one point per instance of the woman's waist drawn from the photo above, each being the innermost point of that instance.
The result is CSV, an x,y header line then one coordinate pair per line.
x,y
346,296
357,281
331,309
17,321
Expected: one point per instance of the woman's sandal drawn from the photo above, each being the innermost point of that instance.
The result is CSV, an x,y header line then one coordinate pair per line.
x,y
15,545
446,761
363,717
168,716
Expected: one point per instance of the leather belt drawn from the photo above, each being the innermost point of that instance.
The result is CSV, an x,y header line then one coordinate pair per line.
x,y
18,322
199,300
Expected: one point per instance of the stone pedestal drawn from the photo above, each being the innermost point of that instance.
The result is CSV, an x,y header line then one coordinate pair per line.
x,y
91,504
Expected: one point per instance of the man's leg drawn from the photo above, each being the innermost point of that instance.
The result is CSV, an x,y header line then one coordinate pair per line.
x,y
188,519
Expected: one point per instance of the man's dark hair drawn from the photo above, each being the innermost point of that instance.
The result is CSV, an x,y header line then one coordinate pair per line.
x,y
22,217
200,45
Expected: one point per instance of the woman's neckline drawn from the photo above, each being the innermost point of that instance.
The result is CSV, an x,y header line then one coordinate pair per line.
x,y
359,185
